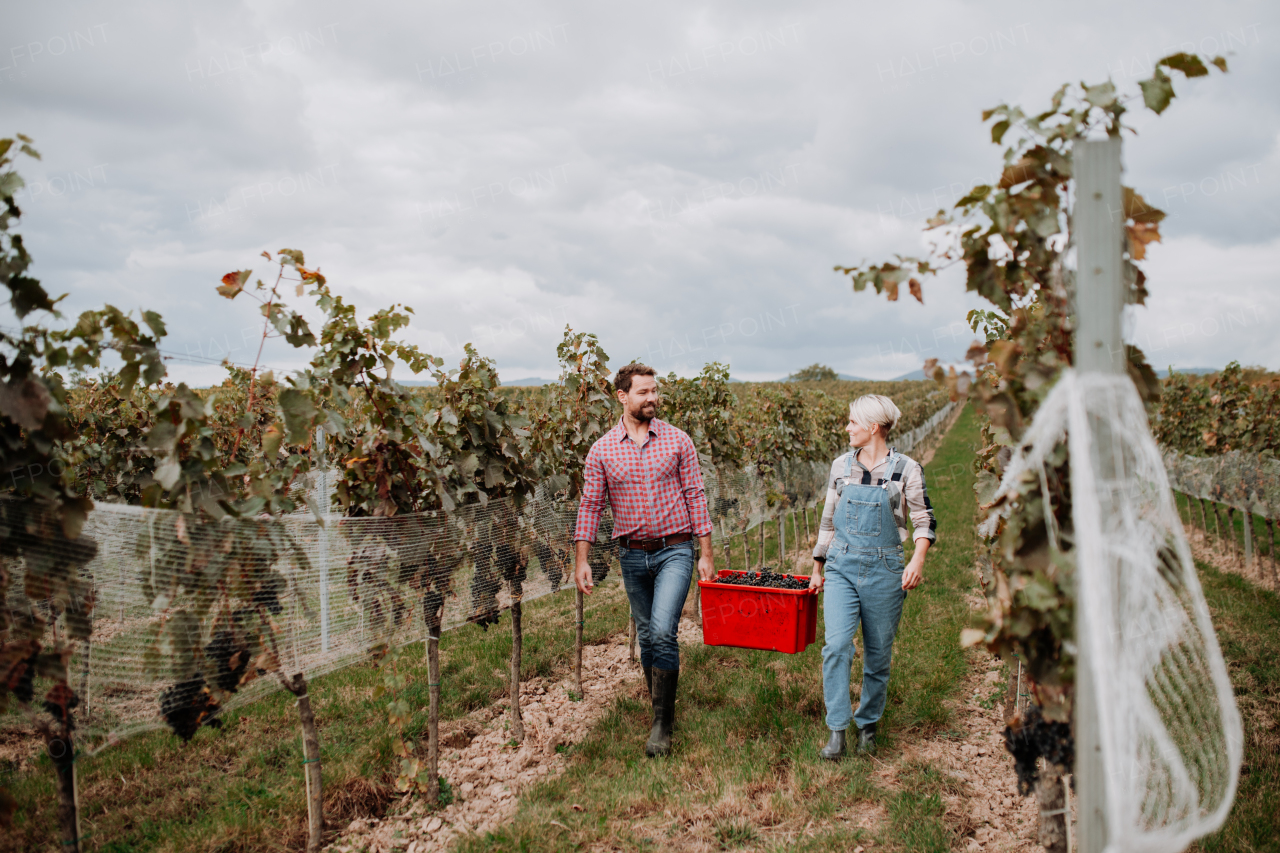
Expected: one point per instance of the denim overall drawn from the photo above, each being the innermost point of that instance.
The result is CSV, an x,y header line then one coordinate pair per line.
x,y
863,583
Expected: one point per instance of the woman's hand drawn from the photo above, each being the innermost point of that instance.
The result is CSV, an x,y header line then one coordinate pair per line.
x,y
913,574
815,577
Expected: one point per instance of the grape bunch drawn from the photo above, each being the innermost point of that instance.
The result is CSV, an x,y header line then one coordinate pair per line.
x,y
765,578
1028,737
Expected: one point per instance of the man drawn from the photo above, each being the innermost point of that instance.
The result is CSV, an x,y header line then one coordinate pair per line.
x,y
647,471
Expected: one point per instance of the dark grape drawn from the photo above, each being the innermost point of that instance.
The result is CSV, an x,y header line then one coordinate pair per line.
x,y
1032,736
765,578
188,705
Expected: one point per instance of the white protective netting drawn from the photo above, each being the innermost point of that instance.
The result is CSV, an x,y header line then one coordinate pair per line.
x,y
1170,733
335,592
1245,481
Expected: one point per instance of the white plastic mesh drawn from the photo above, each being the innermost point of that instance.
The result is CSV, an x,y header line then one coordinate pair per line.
x,y
338,590
1170,733
1246,481
341,589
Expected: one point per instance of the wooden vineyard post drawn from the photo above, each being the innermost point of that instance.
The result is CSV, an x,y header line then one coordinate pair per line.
x,y
631,638
577,648
808,537
297,685
1099,348
61,748
322,541
1230,530
86,692
1247,518
728,540
746,549
517,638
763,525
433,711
795,534
1271,529
782,542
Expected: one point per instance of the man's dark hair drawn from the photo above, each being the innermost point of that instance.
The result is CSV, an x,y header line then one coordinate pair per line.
x,y
622,381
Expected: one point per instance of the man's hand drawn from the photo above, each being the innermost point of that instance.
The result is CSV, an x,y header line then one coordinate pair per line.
x,y
816,580
706,562
707,566
581,568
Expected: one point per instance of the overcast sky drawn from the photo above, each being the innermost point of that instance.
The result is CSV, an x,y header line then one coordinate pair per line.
x,y
679,178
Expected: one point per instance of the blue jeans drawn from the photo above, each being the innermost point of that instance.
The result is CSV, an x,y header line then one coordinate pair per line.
x,y
862,585
657,584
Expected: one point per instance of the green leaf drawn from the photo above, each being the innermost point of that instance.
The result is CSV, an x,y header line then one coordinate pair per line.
x,y
998,131
1221,63
154,322
976,195
10,183
299,411
1102,95
168,472
293,257
1188,63
1157,92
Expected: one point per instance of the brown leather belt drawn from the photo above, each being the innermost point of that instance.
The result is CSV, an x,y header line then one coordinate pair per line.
x,y
654,544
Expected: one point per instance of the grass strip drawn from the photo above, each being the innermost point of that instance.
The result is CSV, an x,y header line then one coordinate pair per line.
x,y
241,787
1247,620
745,771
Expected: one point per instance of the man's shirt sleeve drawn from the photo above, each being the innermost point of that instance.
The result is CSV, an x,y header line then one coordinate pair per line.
x,y
695,493
595,491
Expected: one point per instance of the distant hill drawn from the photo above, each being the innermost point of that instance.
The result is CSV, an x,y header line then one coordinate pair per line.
x,y
1194,371
906,377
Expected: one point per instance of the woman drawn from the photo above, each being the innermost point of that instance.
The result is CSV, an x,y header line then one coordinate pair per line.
x,y
870,492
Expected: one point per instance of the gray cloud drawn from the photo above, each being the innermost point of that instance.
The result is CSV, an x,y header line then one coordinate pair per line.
x,y
679,178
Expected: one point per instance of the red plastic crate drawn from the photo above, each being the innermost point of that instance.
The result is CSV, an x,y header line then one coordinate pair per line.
x,y
746,617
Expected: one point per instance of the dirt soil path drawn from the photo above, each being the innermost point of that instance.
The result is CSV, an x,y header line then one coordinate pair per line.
x,y
984,807
487,772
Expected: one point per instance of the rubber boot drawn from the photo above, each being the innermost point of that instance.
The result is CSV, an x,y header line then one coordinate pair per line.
x,y
665,682
834,750
867,740
648,680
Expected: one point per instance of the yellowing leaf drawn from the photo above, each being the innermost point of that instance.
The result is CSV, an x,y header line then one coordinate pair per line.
x,y
233,283
1140,234
1188,63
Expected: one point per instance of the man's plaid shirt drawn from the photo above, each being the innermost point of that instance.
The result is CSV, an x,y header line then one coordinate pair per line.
x,y
655,490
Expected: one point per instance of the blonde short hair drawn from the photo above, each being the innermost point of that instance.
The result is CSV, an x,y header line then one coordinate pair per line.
x,y
872,409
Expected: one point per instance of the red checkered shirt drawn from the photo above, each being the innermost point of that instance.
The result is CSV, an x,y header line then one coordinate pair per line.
x,y
655,490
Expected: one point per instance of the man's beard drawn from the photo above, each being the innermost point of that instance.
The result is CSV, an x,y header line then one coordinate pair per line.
x,y
645,412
